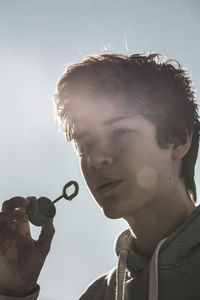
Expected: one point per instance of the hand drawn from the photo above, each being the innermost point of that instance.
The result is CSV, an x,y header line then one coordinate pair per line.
x,y
21,257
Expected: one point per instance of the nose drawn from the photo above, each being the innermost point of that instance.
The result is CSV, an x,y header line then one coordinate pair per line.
x,y
97,161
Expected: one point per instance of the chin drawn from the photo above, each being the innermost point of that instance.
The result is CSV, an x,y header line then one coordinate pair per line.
x,y
112,212
112,215
112,207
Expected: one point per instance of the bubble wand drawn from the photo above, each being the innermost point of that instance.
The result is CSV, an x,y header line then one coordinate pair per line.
x,y
41,210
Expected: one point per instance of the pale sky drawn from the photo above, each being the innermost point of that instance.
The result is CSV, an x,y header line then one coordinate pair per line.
x,y
38,38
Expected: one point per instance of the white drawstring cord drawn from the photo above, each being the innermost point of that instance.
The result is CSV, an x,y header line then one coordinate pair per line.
x,y
121,270
153,273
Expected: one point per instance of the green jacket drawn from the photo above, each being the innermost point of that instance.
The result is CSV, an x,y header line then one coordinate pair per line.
x,y
172,274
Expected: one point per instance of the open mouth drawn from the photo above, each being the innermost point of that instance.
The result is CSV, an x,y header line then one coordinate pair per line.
x,y
107,186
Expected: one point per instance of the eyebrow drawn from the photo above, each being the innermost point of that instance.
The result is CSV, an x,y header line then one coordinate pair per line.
x,y
105,123
111,121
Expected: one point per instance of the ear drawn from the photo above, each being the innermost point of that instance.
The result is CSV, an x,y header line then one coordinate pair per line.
x,y
180,150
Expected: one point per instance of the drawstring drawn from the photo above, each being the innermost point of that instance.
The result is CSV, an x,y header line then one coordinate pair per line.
x,y
153,273
121,270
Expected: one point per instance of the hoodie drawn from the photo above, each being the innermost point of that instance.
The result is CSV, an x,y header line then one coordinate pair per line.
x,y
173,273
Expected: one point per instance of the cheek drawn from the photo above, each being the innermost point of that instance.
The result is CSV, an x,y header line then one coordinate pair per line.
x,y
154,167
83,167
84,170
142,167
147,177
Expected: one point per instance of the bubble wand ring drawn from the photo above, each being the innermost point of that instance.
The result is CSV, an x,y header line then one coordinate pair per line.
x,y
64,194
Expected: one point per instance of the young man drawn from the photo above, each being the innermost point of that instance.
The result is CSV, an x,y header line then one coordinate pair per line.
x,y
135,125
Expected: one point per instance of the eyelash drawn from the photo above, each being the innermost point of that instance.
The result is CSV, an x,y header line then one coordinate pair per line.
x,y
120,131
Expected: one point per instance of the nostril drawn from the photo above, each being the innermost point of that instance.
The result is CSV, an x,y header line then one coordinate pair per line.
x,y
105,162
97,162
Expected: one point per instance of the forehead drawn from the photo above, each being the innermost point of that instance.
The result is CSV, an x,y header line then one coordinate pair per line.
x,y
88,111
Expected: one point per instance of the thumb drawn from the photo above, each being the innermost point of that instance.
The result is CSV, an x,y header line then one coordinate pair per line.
x,y
45,238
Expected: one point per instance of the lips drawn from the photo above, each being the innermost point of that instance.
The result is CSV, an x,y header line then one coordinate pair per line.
x,y
107,185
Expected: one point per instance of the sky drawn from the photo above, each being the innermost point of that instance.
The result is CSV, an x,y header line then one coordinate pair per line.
x,y
38,39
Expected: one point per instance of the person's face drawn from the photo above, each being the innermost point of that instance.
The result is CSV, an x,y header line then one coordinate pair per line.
x,y
121,161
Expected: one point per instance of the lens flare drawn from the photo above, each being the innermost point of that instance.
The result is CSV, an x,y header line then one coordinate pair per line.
x,y
147,177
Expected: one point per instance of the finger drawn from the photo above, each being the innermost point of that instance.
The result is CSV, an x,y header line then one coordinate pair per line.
x,y
11,234
11,240
45,238
8,216
15,202
22,227
31,198
9,249
14,220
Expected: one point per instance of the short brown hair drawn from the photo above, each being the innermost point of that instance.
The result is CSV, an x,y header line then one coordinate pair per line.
x,y
162,92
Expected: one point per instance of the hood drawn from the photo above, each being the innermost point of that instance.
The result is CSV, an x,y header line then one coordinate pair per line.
x,y
177,248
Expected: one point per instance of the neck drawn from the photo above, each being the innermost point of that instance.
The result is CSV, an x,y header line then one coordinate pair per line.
x,y
158,219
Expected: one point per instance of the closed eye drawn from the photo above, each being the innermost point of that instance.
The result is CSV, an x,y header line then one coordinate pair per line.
x,y
121,131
